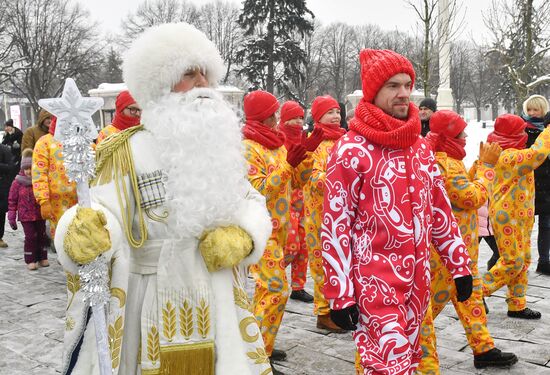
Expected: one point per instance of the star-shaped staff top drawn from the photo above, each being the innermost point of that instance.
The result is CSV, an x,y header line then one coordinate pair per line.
x,y
72,109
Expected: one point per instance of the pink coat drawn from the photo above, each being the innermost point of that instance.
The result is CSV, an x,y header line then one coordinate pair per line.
x,y
21,202
382,209
483,223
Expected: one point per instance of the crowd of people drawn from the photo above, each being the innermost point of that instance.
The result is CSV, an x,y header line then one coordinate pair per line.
x,y
383,212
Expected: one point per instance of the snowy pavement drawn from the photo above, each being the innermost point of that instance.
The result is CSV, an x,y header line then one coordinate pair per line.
x,y
32,313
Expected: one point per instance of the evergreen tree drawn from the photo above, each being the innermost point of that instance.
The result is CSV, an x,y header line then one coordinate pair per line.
x,y
272,56
113,70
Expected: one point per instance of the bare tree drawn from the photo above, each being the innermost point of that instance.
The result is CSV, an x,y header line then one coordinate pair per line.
x,y
461,63
151,13
52,40
520,31
219,21
433,34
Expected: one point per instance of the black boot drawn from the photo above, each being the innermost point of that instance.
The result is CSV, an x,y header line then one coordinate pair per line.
x,y
485,306
494,358
526,313
278,355
301,295
543,268
273,369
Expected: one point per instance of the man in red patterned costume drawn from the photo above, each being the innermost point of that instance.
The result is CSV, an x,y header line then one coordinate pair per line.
x,y
384,203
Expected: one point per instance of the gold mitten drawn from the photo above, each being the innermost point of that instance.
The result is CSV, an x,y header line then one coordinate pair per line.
x,y
225,247
87,237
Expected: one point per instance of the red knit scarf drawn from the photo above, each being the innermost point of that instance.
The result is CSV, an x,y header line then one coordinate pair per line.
x,y
453,147
123,122
293,134
380,128
506,141
331,132
267,137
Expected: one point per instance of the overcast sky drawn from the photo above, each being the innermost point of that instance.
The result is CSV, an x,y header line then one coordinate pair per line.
x,y
388,14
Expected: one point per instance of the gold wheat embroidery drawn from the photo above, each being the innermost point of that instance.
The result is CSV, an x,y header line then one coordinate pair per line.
x,y
169,321
115,341
73,286
203,318
186,320
259,356
69,323
241,299
153,345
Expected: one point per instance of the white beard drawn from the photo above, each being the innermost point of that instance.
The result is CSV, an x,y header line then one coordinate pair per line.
x,y
200,145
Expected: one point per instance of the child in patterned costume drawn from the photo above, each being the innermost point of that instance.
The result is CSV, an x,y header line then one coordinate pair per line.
x,y
384,204
467,194
325,111
127,115
274,171
51,187
512,211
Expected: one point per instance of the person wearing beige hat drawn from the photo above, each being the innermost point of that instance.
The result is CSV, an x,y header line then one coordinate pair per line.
x,y
384,205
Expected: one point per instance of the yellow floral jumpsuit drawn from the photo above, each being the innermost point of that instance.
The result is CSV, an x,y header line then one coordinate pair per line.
x,y
313,214
467,192
274,178
49,180
106,131
511,210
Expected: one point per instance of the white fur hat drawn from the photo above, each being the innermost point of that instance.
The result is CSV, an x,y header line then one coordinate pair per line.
x,y
160,56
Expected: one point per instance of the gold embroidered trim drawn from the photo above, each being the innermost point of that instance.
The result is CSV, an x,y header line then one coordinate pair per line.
x,y
73,286
153,345
169,321
153,216
115,341
203,318
259,356
114,161
120,294
186,320
243,325
241,298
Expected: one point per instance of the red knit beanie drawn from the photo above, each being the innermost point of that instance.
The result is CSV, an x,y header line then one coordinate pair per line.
x,y
290,110
447,123
508,124
321,105
123,100
260,105
377,66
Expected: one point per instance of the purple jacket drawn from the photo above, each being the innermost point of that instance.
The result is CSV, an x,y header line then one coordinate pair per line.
x,y
21,201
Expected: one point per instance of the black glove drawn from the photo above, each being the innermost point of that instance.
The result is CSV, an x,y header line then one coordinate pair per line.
x,y
463,287
346,318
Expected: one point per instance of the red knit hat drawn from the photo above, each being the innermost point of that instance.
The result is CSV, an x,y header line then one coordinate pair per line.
x,y
260,105
291,109
321,105
509,124
447,123
377,66
123,100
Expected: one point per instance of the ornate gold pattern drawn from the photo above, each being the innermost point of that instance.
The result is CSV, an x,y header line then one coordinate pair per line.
x,y
169,321
186,320
203,318
259,356
189,359
243,325
241,299
73,286
120,294
153,345
151,214
115,341
69,323
267,372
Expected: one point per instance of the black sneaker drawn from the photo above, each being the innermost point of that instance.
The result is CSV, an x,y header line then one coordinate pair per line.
x,y
494,358
526,313
278,355
543,268
301,295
